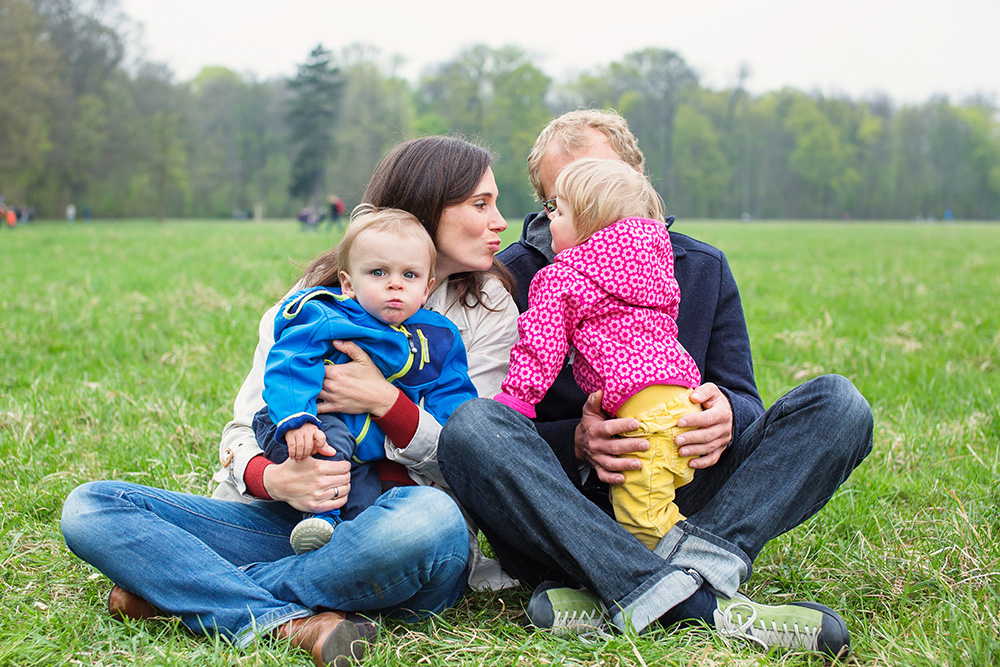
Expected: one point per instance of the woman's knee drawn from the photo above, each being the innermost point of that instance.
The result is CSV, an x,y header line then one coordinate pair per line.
x,y
81,509
427,520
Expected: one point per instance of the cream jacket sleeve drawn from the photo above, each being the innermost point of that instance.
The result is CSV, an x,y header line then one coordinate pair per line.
x,y
238,444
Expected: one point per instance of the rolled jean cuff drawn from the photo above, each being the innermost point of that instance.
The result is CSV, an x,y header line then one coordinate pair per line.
x,y
653,599
259,627
722,565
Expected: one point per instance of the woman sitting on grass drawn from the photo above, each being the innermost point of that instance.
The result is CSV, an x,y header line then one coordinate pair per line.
x,y
368,290
227,567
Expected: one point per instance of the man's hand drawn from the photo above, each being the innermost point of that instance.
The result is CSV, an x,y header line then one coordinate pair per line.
x,y
712,428
597,444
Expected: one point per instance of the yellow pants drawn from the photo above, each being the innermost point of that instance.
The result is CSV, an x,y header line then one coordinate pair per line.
x,y
644,504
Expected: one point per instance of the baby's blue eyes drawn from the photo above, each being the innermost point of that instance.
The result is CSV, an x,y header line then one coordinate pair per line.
x,y
381,273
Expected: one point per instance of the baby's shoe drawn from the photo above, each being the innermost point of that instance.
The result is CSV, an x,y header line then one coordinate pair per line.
x,y
310,534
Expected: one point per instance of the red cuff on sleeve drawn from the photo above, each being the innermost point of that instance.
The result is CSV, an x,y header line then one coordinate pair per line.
x,y
393,474
400,423
253,477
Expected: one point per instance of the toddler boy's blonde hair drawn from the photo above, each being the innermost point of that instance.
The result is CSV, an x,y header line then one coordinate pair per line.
x,y
325,269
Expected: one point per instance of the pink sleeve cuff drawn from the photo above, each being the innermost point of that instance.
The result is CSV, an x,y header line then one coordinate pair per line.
x,y
525,408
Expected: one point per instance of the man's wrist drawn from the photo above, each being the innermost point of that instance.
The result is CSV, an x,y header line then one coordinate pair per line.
x,y
578,447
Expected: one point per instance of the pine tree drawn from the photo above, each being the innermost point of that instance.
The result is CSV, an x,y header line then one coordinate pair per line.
x,y
312,113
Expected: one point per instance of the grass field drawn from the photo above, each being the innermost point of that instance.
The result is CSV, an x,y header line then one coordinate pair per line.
x,y
122,346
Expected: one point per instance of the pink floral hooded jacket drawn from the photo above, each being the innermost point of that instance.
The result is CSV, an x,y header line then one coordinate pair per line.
x,y
611,304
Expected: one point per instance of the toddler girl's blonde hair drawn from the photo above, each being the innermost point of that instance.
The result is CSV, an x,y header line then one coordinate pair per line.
x,y
600,192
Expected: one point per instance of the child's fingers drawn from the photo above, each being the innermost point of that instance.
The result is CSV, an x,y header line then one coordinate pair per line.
x,y
298,443
318,441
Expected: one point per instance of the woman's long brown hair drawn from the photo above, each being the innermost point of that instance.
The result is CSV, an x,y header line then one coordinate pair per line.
x,y
423,176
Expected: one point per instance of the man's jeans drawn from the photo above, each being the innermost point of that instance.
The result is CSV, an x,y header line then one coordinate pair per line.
x,y
778,473
227,567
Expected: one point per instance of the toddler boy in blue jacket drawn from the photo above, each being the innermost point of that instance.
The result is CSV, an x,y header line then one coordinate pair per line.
x,y
384,266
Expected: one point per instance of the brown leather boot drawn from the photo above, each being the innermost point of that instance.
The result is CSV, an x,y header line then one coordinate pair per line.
x,y
332,637
123,604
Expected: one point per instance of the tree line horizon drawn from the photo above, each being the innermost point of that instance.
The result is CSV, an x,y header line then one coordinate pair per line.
x,y
80,127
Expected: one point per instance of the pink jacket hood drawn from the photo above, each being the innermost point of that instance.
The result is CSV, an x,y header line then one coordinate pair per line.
x,y
611,304
643,283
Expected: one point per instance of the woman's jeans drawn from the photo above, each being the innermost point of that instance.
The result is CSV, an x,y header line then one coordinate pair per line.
x,y
227,567
779,472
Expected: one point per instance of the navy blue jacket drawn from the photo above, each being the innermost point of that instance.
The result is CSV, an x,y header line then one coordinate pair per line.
x,y
711,327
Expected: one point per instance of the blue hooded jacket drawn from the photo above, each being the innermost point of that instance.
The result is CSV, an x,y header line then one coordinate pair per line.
x,y
423,356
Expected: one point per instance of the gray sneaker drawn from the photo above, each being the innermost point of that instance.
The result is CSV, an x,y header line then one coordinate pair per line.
x,y
803,626
564,610
310,534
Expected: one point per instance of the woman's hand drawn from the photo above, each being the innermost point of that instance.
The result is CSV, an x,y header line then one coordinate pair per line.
x,y
310,485
597,442
355,387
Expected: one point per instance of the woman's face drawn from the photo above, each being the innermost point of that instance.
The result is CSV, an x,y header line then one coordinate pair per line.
x,y
468,234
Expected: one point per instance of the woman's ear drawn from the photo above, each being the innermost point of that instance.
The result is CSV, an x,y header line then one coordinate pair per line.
x,y
345,284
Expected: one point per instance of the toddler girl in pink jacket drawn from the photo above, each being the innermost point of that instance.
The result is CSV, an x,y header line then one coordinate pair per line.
x,y
609,301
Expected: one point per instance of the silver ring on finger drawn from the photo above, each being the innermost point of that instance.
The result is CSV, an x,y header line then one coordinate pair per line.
x,y
336,492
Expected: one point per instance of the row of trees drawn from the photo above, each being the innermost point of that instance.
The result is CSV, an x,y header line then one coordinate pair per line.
x,y
80,123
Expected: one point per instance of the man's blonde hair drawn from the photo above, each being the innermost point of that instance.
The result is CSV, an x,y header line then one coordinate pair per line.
x,y
600,192
567,133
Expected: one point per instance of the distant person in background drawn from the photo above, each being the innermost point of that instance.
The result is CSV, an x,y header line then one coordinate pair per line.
x,y
336,211
70,213
309,218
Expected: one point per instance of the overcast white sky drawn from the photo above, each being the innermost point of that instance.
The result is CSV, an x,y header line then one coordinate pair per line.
x,y
910,49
